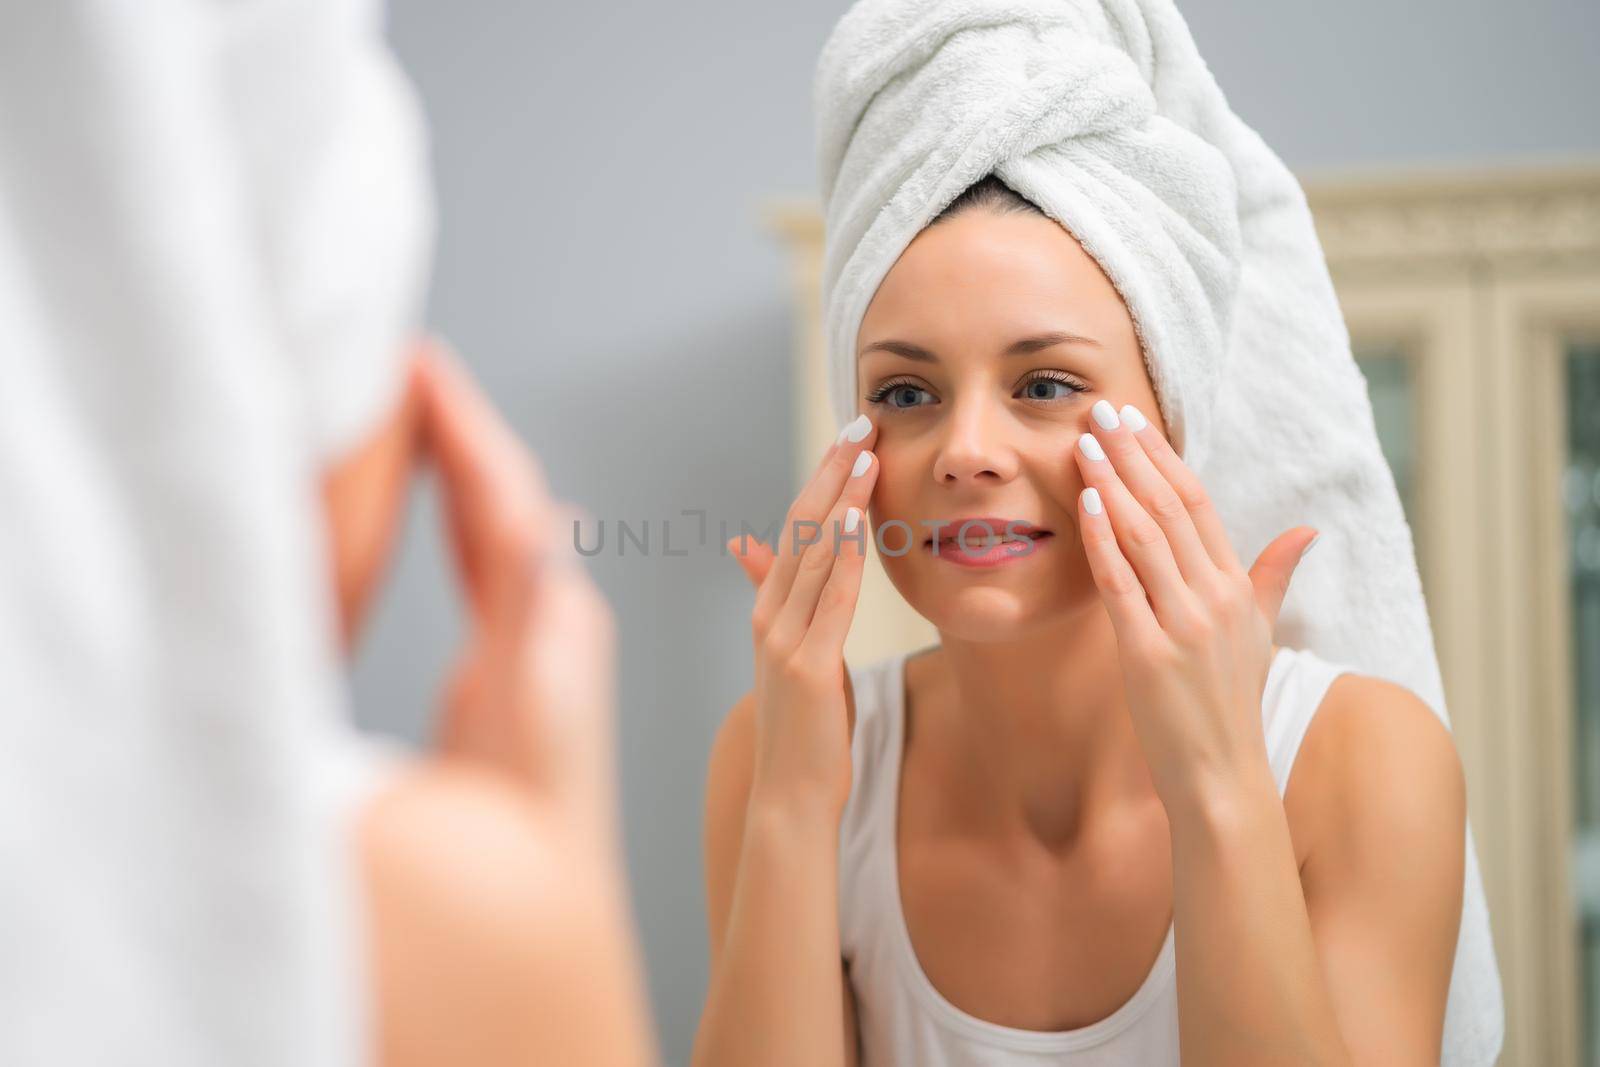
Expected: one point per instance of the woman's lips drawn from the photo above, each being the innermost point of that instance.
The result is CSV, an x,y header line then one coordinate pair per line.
x,y
978,549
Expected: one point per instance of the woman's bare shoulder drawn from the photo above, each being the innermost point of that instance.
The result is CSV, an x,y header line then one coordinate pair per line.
x,y
469,891
1377,767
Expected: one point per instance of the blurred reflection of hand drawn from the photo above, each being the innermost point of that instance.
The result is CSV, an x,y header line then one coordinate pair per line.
x,y
499,909
532,693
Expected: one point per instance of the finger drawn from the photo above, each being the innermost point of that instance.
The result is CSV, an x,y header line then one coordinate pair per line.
x,y
1139,536
755,558
567,661
492,712
1187,484
845,531
1275,567
1119,586
494,494
803,524
537,696
836,608
364,493
466,431
1150,487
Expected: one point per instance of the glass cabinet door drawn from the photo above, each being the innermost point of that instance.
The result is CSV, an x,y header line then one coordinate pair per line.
x,y
1580,494
1391,385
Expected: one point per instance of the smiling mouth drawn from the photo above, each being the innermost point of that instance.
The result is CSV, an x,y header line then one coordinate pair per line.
x,y
980,536
983,552
979,543
989,542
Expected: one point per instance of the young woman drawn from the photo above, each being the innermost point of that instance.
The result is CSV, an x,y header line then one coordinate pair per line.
x,y
1067,833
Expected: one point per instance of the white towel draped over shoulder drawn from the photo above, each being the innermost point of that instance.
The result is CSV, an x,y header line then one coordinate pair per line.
x,y
215,225
1103,113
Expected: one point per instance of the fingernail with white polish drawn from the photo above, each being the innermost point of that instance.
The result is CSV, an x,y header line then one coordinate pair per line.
x,y
852,519
863,462
856,430
1104,414
1091,500
1091,446
1134,418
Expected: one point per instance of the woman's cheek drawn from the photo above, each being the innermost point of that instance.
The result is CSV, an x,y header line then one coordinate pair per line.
x,y
889,494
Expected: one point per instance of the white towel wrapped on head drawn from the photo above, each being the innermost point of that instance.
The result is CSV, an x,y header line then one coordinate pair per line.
x,y
1103,114
215,231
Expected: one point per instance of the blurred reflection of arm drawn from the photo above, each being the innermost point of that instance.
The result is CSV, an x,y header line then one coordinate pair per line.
x,y
498,906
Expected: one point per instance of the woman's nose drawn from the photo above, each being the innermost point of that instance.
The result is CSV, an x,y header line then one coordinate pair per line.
x,y
973,446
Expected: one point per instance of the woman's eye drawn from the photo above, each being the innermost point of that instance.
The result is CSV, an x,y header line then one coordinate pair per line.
x,y
1049,388
901,395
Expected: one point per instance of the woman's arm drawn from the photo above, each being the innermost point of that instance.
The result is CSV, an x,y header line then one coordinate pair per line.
x,y
1268,971
778,783
777,982
498,933
1383,798
1349,959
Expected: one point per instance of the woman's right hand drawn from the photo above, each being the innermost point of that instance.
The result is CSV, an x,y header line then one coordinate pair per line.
x,y
805,600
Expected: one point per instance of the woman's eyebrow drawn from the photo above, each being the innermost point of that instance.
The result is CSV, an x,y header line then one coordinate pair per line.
x,y
1021,347
901,348
1048,340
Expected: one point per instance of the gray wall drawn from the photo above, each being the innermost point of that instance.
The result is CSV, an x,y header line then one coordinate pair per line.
x,y
603,268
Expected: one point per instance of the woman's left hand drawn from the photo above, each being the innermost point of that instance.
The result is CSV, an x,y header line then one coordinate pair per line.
x,y
1194,629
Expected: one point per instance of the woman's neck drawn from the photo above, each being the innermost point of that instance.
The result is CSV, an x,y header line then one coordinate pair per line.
x,y
1033,734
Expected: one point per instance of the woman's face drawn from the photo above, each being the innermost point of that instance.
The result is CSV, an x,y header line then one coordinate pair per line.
x,y
980,356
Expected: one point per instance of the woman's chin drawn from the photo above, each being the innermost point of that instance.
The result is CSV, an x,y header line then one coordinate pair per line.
x,y
984,613
989,604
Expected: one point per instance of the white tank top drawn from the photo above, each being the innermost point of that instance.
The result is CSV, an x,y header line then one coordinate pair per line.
x,y
903,1019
